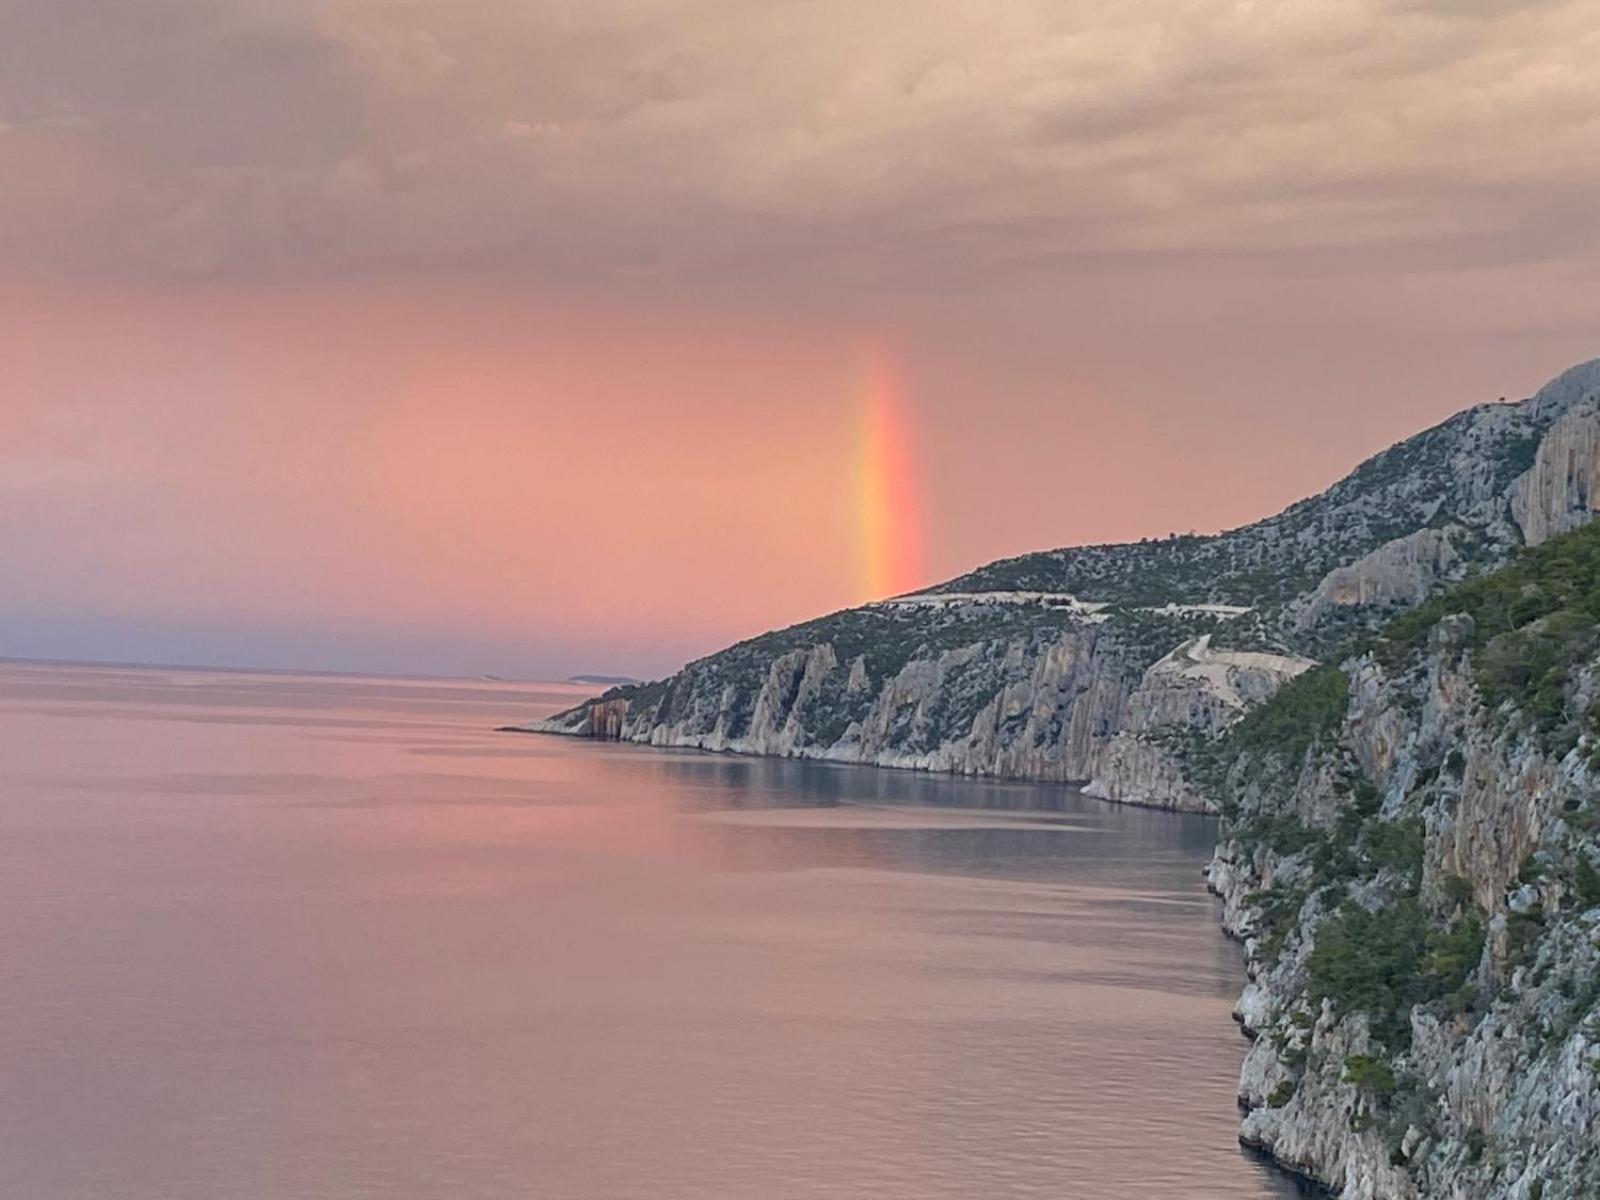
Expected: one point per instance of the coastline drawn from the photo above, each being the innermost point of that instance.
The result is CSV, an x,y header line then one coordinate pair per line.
x,y
933,763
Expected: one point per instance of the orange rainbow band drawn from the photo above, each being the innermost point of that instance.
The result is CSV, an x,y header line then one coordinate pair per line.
x,y
891,533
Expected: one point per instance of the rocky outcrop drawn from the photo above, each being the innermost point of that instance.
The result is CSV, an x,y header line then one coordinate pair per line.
x,y
1139,769
1195,689
1028,706
1355,1167
1397,574
1071,710
1203,688
792,681
1446,1047
603,720
1562,489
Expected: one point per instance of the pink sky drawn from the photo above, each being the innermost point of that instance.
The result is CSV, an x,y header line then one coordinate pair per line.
x,y
527,339
459,479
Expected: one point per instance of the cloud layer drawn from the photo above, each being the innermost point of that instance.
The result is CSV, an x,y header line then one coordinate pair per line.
x,y
840,140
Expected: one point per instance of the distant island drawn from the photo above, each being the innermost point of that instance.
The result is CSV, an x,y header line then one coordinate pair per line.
x,y
604,680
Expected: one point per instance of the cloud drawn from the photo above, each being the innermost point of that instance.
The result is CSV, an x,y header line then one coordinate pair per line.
x,y
850,141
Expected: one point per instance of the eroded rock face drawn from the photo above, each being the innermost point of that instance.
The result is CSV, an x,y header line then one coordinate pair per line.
x,y
1496,1093
603,720
1397,574
1007,707
1311,1134
1562,489
1200,687
1195,688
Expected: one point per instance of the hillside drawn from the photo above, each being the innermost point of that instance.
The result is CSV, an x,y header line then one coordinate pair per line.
x,y
1096,665
1411,851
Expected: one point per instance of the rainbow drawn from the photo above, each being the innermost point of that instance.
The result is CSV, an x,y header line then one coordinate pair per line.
x,y
891,526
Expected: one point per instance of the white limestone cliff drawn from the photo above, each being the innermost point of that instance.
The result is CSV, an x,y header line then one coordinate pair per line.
x,y
1194,688
1500,1101
1399,573
1562,489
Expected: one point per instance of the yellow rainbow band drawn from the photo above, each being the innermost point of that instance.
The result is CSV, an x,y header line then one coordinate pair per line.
x,y
891,533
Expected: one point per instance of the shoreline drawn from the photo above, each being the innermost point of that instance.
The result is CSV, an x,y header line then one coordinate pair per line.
x,y
912,764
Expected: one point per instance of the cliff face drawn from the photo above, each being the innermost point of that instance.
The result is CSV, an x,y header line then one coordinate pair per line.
x,y
1007,697
1397,574
1034,694
1068,665
1194,690
1562,489
1413,863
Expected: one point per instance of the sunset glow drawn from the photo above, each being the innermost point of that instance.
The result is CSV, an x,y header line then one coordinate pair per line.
x,y
891,507
538,339
610,600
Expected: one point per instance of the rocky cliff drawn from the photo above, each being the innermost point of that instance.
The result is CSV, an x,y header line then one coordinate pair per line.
x,y
1410,851
1070,664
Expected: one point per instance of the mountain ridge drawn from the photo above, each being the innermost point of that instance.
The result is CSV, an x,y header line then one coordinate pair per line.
x,y
1039,666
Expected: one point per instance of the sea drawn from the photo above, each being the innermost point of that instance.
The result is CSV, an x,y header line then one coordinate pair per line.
x,y
273,936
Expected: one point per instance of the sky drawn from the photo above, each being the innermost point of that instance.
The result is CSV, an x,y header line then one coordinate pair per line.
x,y
526,338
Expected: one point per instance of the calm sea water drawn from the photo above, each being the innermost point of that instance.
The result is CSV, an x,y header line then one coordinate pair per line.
x,y
271,936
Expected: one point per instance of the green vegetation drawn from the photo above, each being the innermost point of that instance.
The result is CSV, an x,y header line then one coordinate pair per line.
x,y
1586,883
1398,845
1368,962
1371,1075
1453,954
1307,708
1583,999
1279,909
1458,891
1289,836
1384,963
1534,621
1397,1101
1523,930
1517,455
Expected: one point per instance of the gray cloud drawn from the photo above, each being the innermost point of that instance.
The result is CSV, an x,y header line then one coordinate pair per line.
x,y
847,139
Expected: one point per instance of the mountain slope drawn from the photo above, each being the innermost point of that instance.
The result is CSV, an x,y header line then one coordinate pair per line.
x,y
1410,849
1098,664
